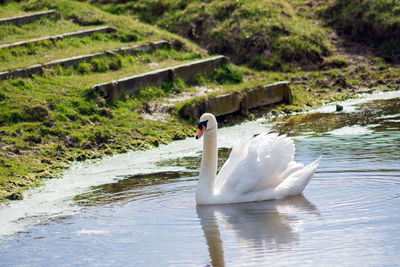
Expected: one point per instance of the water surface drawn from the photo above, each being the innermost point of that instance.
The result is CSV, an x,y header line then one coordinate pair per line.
x,y
138,209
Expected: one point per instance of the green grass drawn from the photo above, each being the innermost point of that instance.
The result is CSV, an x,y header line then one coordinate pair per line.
x,y
103,70
85,14
130,31
121,64
47,122
47,51
86,74
10,9
40,28
260,32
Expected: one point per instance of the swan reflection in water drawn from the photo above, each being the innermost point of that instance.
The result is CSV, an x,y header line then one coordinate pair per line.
x,y
258,227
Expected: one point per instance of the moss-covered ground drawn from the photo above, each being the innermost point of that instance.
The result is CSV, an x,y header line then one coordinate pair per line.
x,y
51,119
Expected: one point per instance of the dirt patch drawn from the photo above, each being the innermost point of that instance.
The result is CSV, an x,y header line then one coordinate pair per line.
x,y
369,22
162,110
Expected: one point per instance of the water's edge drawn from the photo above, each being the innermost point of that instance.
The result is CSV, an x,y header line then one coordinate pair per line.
x,y
56,197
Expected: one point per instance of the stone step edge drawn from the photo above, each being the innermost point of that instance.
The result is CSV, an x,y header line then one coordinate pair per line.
x,y
103,29
72,61
28,18
241,102
129,85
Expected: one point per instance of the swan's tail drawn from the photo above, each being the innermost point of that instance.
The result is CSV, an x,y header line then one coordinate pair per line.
x,y
296,182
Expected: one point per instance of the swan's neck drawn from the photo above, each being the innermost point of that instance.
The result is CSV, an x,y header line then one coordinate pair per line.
x,y
209,164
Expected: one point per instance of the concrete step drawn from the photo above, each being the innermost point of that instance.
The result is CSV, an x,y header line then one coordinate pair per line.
x,y
115,89
72,61
28,18
241,102
103,29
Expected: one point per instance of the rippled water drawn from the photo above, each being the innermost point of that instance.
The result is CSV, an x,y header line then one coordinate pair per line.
x,y
137,209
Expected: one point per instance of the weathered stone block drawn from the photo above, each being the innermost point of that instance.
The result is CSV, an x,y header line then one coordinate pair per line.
x,y
4,75
261,96
224,104
243,101
131,84
34,69
19,73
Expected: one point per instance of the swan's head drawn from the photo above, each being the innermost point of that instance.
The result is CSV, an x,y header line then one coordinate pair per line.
x,y
207,123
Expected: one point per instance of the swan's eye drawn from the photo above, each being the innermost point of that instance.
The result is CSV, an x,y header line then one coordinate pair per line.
x,y
201,124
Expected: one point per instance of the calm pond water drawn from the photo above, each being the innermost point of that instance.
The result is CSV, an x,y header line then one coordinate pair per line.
x,y
138,209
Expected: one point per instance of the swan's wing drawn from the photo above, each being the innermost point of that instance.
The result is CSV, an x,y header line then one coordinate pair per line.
x,y
258,163
238,153
298,180
276,156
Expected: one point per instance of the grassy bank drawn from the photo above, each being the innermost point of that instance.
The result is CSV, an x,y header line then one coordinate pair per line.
x,y
266,35
50,120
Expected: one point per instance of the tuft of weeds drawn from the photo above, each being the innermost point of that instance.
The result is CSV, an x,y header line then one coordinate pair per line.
x,y
227,73
224,74
165,89
24,113
99,64
260,63
335,62
83,67
127,36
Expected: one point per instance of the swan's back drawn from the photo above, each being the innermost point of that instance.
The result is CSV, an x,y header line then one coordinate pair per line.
x,y
257,164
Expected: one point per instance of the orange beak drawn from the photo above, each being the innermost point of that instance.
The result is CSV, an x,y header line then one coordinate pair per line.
x,y
200,132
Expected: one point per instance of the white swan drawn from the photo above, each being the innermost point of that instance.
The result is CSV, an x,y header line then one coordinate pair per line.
x,y
258,168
